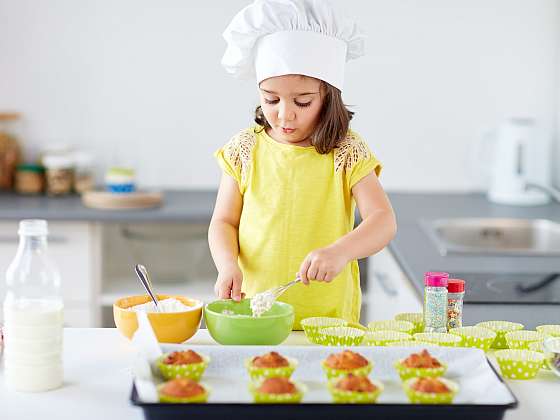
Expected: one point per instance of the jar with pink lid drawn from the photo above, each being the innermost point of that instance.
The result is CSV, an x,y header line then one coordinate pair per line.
x,y
435,301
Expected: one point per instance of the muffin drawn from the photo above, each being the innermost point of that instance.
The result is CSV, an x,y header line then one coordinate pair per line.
x,y
420,365
353,389
430,390
270,365
276,391
182,390
182,364
346,362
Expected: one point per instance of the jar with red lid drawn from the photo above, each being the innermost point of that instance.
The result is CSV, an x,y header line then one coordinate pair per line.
x,y
455,297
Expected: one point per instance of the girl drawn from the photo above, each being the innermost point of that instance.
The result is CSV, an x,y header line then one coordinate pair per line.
x,y
286,201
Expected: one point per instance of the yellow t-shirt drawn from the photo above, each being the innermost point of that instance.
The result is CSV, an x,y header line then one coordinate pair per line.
x,y
296,200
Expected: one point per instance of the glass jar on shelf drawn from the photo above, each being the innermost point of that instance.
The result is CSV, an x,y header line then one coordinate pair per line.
x,y
30,178
84,176
59,174
10,151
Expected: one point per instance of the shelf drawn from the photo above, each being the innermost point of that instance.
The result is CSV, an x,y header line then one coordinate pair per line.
x,y
116,288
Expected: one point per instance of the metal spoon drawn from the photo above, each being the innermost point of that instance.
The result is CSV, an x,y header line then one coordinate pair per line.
x,y
142,274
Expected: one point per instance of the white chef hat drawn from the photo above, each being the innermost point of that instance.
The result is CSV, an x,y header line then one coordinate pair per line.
x,y
276,37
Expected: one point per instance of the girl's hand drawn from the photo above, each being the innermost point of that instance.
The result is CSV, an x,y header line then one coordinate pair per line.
x,y
322,264
228,284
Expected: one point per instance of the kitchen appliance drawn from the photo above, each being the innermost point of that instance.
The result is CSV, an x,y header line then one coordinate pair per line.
x,y
511,288
520,164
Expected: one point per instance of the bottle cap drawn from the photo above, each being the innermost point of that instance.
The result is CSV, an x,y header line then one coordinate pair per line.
x,y
436,279
33,227
455,285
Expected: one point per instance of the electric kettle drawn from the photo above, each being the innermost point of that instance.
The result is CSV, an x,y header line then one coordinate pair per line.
x,y
520,171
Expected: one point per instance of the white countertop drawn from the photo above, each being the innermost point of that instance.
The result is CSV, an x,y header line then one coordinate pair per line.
x,y
98,383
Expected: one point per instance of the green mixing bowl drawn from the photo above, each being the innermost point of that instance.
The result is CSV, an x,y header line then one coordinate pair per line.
x,y
231,322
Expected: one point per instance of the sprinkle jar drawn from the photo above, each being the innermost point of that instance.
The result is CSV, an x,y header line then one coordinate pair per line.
x,y
455,295
435,302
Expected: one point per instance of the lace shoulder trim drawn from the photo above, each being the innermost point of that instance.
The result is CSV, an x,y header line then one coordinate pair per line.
x,y
350,151
238,151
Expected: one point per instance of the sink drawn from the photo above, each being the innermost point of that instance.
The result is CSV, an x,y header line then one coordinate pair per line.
x,y
538,237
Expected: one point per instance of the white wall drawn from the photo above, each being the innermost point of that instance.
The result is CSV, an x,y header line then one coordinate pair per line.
x,y
140,81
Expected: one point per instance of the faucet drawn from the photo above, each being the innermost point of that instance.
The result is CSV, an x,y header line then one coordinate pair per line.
x,y
551,191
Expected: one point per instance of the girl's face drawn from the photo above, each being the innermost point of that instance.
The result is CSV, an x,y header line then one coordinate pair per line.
x,y
291,104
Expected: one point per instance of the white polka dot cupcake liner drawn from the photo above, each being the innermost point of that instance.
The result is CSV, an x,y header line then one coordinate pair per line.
x,y
392,325
417,319
336,373
520,340
407,372
342,336
550,330
477,337
439,339
312,327
201,398
519,364
417,397
538,347
192,371
340,396
501,328
383,338
266,398
260,373
404,343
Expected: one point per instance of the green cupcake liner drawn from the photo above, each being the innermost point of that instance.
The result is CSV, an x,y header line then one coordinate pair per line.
x,y
519,364
439,339
407,373
549,330
392,325
417,318
477,337
312,327
336,373
405,343
538,347
263,398
340,396
383,338
501,328
416,397
192,371
259,373
342,336
520,340
202,398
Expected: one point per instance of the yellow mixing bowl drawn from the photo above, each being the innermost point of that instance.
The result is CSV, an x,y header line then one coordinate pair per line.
x,y
171,327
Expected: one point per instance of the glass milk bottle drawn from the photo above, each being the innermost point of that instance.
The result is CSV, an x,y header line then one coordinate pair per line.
x,y
435,302
33,314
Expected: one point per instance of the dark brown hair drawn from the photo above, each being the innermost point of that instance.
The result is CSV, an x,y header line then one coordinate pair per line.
x,y
333,123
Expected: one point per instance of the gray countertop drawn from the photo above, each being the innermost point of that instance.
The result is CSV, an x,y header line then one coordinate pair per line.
x,y
178,206
416,253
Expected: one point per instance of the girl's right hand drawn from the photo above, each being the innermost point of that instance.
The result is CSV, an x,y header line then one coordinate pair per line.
x,y
228,284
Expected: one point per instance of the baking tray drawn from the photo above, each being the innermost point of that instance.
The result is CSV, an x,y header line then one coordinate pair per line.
x,y
483,394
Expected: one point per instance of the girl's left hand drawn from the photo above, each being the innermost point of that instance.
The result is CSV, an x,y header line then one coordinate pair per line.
x,y
322,264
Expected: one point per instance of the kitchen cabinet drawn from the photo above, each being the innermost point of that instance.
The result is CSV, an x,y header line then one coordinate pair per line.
x,y
73,246
389,291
